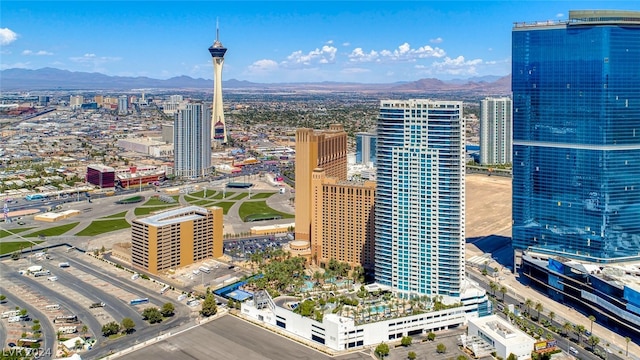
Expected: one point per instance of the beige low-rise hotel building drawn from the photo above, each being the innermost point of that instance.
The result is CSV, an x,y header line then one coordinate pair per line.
x,y
343,221
176,238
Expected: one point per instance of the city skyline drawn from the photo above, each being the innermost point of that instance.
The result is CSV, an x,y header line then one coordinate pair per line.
x,y
366,42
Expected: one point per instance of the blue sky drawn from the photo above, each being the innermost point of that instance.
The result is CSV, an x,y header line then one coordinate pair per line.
x,y
275,41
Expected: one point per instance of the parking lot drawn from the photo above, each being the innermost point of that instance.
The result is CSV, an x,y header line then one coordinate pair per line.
x,y
242,249
71,290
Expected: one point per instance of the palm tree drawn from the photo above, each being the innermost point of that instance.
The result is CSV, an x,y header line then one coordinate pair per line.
x,y
592,319
528,303
567,326
627,339
539,308
593,341
493,286
84,331
503,290
552,316
580,330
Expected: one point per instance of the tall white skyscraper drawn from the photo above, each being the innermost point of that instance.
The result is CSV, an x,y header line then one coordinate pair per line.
x,y
123,105
219,129
495,131
192,141
420,198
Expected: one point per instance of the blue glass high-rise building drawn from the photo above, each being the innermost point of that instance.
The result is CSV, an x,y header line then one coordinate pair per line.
x,y
366,148
420,198
576,136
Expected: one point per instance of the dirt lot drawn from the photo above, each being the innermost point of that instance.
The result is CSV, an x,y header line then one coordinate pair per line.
x,y
488,210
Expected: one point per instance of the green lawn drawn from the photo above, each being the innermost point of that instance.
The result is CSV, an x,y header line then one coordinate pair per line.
x,y
148,210
225,205
218,196
54,231
12,246
259,207
98,227
190,199
5,233
238,197
131,200
200,194
154,202
261,195
115,216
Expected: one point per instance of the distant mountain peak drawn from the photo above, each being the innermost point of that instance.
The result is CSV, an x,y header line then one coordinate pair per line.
x,y
49,78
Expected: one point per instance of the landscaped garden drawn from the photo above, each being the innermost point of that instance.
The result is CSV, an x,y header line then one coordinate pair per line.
x,y
53,231
259,210
12,246
5,233
337,289
98,227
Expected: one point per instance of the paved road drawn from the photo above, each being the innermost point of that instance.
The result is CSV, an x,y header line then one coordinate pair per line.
x,y
114,306
74,260
49,333
233,339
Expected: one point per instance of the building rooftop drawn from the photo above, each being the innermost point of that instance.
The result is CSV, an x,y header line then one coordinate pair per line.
x,y
175,216
498,328
587,17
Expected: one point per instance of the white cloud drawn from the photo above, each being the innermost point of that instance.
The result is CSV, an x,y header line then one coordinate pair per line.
x,y
456,66
36,53
325,55
437,40
18,65
94,61
355,70
404,52
329,42
262,66
559,15
7,36
358,55
346,43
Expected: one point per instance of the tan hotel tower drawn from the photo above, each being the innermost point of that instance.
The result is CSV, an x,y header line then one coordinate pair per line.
x,y
326,149
176,238
343,222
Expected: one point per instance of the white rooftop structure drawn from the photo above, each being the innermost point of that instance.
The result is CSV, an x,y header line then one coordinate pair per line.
x,y
501,335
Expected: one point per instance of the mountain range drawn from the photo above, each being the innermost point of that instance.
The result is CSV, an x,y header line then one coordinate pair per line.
x,y
56,79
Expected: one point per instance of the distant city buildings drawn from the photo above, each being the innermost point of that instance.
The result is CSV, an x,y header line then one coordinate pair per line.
x,y
326,149
342,220
123,105
176,238
420,198
366,148
191,140
76,101
495,131
101,176
576,136
219,129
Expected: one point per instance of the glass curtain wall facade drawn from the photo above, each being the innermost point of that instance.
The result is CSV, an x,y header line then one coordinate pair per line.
x,y
420,198
576,136
192,141
366,148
